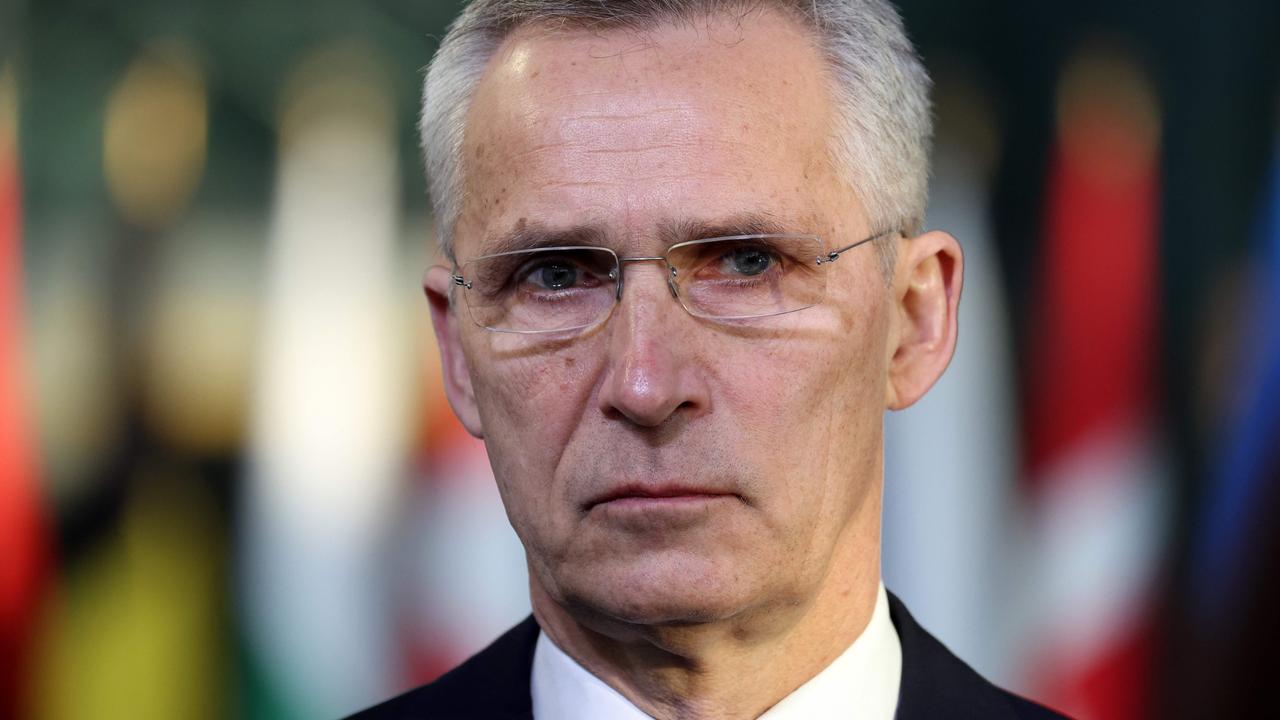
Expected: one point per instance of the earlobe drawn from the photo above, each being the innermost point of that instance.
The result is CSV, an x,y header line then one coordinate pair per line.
x,y
453,361
926,294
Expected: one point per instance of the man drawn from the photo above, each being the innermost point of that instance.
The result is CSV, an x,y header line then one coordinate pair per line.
x,y
687,279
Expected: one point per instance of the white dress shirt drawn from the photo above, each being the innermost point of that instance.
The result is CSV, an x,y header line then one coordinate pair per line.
x,y
861,683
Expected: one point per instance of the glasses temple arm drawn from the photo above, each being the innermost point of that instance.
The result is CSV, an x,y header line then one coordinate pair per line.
x,y
835,254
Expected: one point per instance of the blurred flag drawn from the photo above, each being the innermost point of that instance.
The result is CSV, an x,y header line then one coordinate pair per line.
x,y
1247,463
135,629
466,581
331,403
1233,580
23,536
1093,454
950,460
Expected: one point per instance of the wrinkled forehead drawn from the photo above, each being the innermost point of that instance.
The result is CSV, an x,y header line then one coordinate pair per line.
x,y
629,129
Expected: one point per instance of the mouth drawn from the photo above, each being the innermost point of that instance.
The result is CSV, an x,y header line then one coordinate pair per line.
x,y
657,496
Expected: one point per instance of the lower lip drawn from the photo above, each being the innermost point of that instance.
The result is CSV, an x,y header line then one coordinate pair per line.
x,y
672,502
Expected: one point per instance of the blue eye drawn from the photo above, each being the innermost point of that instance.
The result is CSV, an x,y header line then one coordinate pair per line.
x,y
564,271
748,261
555,276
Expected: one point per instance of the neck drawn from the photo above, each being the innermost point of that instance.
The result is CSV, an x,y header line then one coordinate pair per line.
x,y
733,668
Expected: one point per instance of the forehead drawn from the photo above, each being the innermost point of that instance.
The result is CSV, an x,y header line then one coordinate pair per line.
x,y
626,130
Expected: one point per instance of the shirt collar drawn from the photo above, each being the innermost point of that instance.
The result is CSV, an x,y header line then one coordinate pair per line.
x,y
862,682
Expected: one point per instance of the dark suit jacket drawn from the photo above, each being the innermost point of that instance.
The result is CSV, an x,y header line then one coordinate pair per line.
x,y
494,684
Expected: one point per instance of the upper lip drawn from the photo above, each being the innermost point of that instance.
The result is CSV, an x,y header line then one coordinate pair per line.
x,y
651,490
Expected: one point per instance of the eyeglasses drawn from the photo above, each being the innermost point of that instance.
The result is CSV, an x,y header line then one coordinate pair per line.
x,y
560,289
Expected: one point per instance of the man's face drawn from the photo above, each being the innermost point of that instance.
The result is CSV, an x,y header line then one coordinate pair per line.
x,y
765,434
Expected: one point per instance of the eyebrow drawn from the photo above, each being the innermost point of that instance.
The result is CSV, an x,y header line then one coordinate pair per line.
x,y
533,235
750,223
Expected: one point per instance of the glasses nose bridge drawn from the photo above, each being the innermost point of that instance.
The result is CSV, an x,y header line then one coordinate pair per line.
x,y
671,272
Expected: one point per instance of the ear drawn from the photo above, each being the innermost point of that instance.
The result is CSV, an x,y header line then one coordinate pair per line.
x,y
453,361
927,279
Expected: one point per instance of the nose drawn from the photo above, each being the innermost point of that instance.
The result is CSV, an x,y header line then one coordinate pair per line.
x,y
653,370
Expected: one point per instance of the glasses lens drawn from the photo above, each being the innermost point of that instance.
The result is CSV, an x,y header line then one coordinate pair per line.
x,y
746,277
542,290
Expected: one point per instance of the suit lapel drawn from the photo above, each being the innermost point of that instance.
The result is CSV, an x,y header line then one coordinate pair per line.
x,y
936,683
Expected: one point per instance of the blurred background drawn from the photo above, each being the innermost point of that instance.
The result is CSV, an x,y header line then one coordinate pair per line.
x,y
230,486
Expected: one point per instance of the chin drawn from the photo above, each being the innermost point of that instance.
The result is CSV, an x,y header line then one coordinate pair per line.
x,y
658,592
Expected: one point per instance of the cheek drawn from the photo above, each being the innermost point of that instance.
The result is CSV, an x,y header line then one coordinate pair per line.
x,y
530,401
851,413
516,389
811,404
531,407
811,379
854,393
761,382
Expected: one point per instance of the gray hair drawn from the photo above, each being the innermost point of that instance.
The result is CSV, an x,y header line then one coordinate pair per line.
x,y
880,88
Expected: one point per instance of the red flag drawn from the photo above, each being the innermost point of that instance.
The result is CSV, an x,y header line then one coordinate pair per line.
x,y
22,532
1093,454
